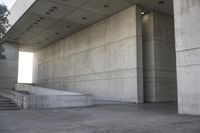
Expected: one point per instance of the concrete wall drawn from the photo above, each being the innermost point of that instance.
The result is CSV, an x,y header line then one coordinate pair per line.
x,y
9,67
104,59
159,58
187,27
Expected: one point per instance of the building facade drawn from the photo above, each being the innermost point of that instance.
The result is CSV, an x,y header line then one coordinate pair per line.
x,y
118,50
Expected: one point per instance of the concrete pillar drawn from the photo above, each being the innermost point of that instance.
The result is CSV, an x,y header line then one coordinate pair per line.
x,y
159,58
9,66
187,31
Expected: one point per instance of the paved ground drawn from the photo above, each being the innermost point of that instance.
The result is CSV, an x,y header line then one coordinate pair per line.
x,y
130,118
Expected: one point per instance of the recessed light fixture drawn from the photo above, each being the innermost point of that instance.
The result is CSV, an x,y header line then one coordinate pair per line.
x,y
68,26
57,33
41,18
54,7
47,38
142,13
106,6
48,13
161,2
84,18
51,10
35,23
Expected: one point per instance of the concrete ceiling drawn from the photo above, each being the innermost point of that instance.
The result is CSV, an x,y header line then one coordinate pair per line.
x,y
50,20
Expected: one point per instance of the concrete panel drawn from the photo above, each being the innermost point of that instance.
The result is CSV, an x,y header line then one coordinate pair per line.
x,y
59,49
69,45
99,34
128,49
58,70
97,6
164,56
123,27
82,61
9,66
163,28
69,65
188,89
82,40
187,30
188,57
129,91
78,16
100,59
159,58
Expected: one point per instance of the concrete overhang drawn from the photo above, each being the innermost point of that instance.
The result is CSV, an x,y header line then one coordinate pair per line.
x,y
42,22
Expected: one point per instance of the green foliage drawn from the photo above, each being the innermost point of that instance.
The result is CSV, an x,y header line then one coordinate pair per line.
x,y
3,26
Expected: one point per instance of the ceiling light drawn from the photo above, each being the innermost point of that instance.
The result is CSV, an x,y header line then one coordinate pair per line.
x,y
48,13
54,7
84,18
142,13
41,17
68,26
161,2
51,10
106,6
57,33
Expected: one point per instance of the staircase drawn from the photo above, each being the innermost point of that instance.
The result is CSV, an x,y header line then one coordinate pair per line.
x,y
7,104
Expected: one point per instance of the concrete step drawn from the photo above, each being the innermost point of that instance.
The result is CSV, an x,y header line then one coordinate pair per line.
x,y
9,108
6,102
4,99
8,105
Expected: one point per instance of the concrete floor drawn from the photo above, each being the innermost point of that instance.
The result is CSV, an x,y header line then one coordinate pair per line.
x,y
128,118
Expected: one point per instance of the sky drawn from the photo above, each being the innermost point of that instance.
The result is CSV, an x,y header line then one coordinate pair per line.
x,y
8,3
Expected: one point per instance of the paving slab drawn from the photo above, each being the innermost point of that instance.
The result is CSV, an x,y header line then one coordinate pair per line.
x,y
126,118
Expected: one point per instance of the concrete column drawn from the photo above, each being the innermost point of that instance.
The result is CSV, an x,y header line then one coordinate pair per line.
x,y
187,29
159,58
9,66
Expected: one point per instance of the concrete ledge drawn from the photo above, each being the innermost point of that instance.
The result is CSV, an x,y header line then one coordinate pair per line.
x,y
39,97
48,98
36,90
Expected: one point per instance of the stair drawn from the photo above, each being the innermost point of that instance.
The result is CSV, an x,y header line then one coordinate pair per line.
x,y
7,104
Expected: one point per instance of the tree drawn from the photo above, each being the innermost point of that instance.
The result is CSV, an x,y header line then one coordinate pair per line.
x,y
3,26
